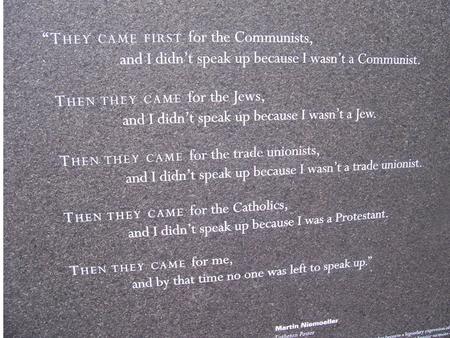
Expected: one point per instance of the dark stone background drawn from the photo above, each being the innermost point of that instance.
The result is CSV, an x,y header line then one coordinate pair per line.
x,y
407,285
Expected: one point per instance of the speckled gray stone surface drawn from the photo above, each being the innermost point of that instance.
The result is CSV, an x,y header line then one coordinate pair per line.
x,y
405,288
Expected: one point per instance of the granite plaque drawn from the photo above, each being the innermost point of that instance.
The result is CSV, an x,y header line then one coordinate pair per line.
x,y
226,169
